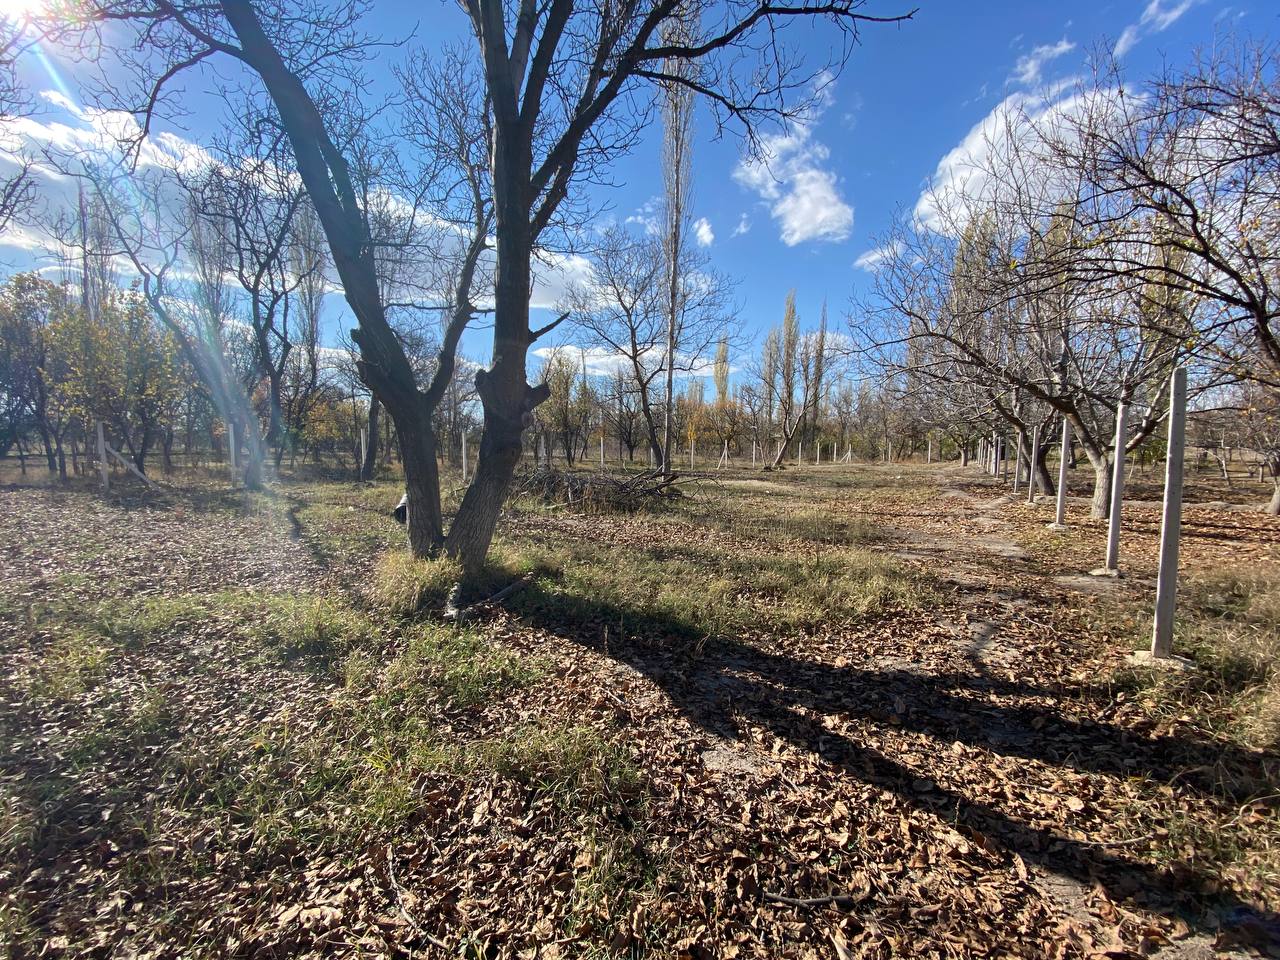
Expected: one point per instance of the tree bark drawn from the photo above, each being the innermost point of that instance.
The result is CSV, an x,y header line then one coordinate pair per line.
x,y
1100,503
505,396
1044,480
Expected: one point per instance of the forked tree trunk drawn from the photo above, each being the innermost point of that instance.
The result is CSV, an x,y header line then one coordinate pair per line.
x,y
506,398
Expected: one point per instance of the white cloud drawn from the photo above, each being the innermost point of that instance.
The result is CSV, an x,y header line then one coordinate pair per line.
x,y
1158,15
965,172
703,232
790,175
553,275
1028,69
602,362
870,260
744,225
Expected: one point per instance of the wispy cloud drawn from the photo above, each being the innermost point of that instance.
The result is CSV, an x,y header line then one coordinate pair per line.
x,y
1158,15
1030,66
647,215
871,260
744,225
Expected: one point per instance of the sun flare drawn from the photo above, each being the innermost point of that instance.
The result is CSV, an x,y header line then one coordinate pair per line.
x,y
19,11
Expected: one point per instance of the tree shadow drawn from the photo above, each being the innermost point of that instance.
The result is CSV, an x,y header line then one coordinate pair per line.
x,y
715,681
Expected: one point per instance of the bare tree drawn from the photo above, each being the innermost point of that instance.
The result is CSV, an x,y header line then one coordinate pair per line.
x,y
253,200
677,182
563,91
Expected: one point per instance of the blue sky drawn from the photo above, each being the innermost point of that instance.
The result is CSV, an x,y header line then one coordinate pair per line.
x,y
908,97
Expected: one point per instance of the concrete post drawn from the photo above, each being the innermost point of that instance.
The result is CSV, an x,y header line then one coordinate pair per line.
x,y
102,458
1117,492
1171,521
1017,467
231,447
464,458
928,449
1060,513
1032,456
753,453
602,446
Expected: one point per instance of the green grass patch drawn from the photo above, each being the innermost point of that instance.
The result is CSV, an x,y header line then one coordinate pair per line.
x,y
694,594
402,584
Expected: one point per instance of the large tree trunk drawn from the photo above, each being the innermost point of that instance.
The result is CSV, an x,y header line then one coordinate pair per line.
x,y
507,399
424,522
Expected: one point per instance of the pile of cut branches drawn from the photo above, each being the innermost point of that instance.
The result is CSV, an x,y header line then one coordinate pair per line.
x,y
598,492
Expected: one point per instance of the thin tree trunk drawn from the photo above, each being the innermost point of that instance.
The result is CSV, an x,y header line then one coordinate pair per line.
x,y
370,465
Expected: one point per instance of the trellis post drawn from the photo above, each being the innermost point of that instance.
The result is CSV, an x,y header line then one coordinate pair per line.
x,y
1112,566
1060,512
1033,457
1171,521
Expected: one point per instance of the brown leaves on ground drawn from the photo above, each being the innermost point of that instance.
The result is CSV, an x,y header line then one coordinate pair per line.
x,y
663,745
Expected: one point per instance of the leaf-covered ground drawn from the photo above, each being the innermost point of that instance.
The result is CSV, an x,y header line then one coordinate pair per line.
x,y
827,712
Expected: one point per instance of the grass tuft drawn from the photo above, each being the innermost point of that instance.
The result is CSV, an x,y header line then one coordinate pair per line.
x,y
403,585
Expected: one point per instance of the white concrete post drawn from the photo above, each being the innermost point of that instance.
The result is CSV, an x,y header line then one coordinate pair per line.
x,y
1117,492
800,454
102,458
602,445
464,458
1171,522
1017,467
1060,513
1032,456
753,453
928,449
364,447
